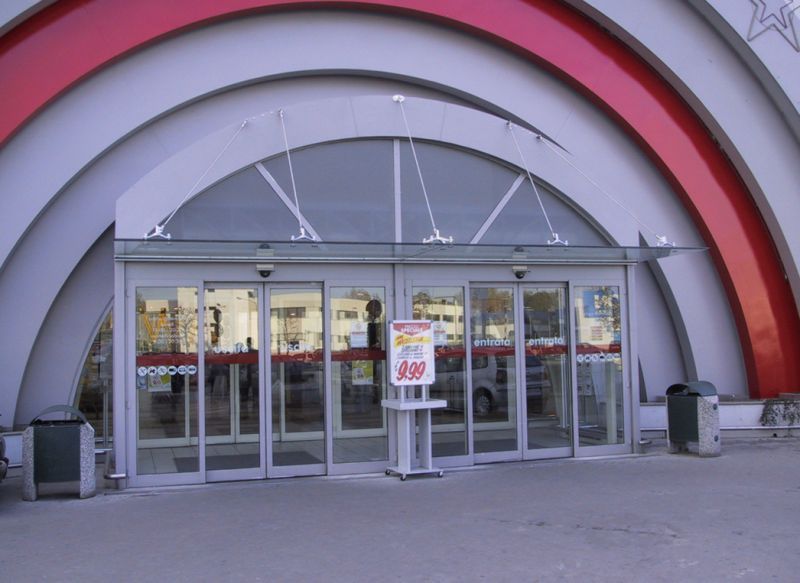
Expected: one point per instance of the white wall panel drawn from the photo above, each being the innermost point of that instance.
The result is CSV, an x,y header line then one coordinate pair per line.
x,y
60,347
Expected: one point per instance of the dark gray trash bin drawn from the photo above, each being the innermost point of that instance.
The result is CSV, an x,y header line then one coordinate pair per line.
x,y
693,417
60,450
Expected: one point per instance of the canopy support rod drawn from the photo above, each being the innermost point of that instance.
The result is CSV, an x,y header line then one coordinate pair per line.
x,y
303,236
158,230
661,240
435,237
555,240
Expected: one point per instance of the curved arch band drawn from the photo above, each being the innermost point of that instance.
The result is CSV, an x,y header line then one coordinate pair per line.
x,y
597,65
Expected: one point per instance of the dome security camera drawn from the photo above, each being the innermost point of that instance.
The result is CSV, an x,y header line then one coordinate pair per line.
x,y
265,269
520,271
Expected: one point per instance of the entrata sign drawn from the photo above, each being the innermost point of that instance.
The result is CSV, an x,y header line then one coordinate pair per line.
x,y
411,352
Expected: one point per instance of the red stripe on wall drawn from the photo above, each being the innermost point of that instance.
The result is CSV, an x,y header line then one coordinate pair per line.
x,y
49,53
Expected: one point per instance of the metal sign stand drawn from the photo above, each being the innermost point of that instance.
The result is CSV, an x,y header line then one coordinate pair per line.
x,y
413,412
413,366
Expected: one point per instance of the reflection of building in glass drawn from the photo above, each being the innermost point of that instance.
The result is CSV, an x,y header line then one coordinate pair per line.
x,y
296,327
447,309
231,320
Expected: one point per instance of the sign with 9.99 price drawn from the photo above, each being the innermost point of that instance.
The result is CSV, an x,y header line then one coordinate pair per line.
x,y
411,352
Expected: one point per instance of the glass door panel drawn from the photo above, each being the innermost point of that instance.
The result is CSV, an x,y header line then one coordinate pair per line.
x,y
358,373
547,386
298,384
444,306
598,333
231,379
494,369
166,380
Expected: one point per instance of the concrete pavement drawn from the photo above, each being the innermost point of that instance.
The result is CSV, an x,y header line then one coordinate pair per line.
x,y
655,517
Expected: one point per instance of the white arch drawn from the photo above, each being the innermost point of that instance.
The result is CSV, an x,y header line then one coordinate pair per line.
x,y
65,173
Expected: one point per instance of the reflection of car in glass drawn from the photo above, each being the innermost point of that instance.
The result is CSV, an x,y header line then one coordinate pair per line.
x,y
3,458
449,380
537,383
490,381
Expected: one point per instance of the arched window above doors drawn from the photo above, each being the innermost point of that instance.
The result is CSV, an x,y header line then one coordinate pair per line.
x,y
368,191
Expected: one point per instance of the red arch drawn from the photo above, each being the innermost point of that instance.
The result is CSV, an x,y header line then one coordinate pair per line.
x,y
68,41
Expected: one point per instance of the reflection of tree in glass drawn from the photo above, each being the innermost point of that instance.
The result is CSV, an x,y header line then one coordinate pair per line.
x,y
607,305
422,302
171,329
184,320
498,302
491,308
543,312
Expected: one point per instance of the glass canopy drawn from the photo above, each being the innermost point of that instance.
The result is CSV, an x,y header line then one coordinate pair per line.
x,y
340,252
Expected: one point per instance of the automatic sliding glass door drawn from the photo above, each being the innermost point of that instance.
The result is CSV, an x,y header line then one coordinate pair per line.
x,y
601,402
494,369
358,373
297,381
547,381
166,386
232,371
444,305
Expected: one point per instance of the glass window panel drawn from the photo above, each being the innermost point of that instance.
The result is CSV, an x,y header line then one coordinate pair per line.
x,y
166,379
444,306
346,189
547,393
358,368
94,393
463,190
231,379
298,384
243,207
522,221
598,331
494,373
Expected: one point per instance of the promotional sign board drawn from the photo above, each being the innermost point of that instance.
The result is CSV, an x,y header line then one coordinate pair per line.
x,y
411,352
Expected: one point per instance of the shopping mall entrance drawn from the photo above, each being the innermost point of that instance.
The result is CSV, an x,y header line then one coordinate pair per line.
x,y
239,376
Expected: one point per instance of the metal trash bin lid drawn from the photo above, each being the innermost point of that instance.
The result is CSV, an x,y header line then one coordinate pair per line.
x,y
81,418
692,389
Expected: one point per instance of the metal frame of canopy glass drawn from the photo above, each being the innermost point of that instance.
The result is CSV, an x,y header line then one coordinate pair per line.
x,y
382,252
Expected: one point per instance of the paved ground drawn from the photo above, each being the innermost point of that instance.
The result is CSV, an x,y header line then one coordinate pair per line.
x,y
655,517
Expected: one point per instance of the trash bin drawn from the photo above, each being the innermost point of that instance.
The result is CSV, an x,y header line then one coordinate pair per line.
x,y
58,451
693,417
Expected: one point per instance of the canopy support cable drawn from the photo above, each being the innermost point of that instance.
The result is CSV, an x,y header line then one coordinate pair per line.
x,y
303,236
158,230
435,237
555,240
661,240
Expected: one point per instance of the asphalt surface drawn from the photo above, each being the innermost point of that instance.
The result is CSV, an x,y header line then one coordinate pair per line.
x,y
654,517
